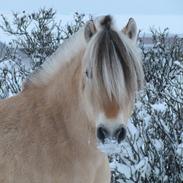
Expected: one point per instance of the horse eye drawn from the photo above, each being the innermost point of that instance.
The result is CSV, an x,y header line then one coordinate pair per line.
x,y
88,74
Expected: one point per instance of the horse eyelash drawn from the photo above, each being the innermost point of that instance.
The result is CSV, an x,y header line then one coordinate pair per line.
x,y
89,75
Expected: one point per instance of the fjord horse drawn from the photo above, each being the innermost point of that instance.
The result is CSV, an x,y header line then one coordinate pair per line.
x,y
83,94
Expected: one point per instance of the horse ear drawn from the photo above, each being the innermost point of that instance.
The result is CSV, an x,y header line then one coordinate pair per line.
x,y
90,30
131,29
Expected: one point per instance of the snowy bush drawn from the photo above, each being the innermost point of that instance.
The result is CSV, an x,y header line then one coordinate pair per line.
x,y
35,36
153,149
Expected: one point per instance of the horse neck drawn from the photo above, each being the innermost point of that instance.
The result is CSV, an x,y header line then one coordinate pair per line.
x,y
63,93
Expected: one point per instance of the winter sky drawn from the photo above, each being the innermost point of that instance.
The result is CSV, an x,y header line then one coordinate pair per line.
x,y
147,13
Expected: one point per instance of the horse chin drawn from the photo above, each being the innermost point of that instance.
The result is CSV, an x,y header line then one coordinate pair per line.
x,y
109,146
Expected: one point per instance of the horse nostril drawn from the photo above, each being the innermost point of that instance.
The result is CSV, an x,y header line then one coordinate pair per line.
x,y
102,133
120,134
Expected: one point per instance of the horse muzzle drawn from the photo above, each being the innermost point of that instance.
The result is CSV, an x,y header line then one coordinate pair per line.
x,y
105,133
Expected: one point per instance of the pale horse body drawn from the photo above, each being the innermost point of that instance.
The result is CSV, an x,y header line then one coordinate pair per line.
x,y
49,131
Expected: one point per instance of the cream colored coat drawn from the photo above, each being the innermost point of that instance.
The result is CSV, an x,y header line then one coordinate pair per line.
x,y
44,138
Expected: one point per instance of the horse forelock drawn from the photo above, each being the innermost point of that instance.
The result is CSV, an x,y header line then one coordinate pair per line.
x,y
115,64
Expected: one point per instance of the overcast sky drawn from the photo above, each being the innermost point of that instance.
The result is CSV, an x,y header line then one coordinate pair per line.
x,y
161,7
156,13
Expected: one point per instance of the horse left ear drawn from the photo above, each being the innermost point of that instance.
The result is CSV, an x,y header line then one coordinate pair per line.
x,y
131,29
90,30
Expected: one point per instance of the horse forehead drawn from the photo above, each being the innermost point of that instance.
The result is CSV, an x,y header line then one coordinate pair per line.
x,y
118,119
112,113
111,110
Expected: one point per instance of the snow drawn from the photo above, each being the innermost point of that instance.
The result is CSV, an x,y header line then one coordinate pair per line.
x,y
178,63
142,166
159,107
158,144
121,168
180,149
109,147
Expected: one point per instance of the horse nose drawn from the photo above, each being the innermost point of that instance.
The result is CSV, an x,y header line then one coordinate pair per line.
x,y
102,133
117,134
120,134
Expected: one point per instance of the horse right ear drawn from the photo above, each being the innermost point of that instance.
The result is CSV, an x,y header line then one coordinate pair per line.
x,y
90,30
131,29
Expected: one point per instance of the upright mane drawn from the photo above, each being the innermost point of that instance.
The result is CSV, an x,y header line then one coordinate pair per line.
x,y
114,62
